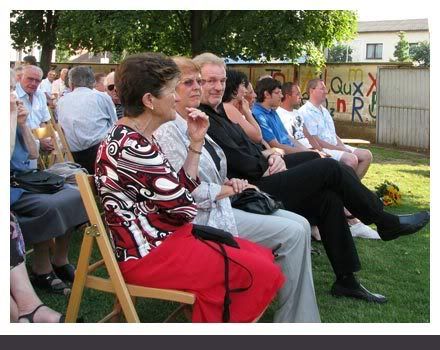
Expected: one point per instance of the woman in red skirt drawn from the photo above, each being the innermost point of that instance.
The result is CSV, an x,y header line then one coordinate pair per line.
x,y
149,208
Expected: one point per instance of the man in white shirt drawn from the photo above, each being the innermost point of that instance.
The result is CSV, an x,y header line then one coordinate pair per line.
x,y
46,86
321,129
320,125
292,120
58,86
35,101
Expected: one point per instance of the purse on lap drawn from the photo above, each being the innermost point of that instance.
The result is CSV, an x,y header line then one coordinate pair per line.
x,y
256,202
38,181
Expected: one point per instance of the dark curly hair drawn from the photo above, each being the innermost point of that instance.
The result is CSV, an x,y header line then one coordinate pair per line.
x,y
233,80
266,84
142,73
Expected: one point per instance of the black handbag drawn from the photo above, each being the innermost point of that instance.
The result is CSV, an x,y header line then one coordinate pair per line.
x,y
38,181
256,202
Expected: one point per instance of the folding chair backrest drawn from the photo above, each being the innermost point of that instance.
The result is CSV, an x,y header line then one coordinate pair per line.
x,y
115,283
49,132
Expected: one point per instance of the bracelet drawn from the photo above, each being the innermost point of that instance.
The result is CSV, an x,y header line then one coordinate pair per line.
x,y
193,150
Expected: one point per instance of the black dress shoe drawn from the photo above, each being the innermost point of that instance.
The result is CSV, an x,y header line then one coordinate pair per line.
x,y
359,292
408,224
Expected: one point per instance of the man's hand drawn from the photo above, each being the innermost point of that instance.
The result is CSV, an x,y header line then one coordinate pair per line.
x,y
46,145
276,164
22,114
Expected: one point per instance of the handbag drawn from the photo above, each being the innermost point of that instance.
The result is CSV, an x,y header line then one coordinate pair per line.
x,y
37,181
221,238
257,202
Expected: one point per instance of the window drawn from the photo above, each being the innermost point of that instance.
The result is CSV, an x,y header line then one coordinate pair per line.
x,y
374,51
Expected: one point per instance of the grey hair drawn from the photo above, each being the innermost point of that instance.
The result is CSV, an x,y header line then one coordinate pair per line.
x,y
208,58
18,69
81,76
30,67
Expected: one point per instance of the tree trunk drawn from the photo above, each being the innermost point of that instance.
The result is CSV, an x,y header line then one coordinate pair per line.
x,y
49,40
196,23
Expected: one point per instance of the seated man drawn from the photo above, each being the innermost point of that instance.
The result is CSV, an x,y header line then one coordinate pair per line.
x,y
111,91
288,113
321,127
274,133
85,116
317,189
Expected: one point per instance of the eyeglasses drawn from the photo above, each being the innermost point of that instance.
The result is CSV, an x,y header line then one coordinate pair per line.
x,y
110,87
190,82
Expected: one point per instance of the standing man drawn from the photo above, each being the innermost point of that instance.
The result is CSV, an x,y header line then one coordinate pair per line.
x,y
85,116
35,101
264,110
321,127
59,85
111,91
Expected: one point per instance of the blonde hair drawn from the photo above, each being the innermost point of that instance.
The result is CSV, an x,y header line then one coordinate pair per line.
x,y
208,58
186,65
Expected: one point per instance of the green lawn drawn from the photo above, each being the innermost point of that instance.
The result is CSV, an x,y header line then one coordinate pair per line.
x,y
398,269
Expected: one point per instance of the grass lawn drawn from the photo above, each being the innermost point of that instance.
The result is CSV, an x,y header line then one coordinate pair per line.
x,y
398,269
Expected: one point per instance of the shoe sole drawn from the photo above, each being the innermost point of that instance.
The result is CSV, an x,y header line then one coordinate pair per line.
x,y
354,296
408,231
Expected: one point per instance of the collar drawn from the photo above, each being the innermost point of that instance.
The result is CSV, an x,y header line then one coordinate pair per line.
x,y
20,92
311,105
259,106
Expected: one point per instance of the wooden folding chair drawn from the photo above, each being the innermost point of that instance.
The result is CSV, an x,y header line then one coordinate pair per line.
x,y
65,146
57,154
84,278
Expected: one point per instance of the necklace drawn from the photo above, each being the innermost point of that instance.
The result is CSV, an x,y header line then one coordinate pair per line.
x,y
136,126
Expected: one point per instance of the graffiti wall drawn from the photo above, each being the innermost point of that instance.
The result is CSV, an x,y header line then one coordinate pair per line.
x,y
352,90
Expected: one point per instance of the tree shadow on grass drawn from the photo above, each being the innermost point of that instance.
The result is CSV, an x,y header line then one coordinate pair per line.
x,y
419,172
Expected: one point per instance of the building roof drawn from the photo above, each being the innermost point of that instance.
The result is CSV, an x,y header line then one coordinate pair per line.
x,y
405,25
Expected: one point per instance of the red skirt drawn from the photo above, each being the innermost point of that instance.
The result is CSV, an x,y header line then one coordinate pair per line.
x,y
185,263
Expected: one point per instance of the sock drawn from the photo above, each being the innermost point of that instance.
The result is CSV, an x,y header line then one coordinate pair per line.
x,y
387,221
347,280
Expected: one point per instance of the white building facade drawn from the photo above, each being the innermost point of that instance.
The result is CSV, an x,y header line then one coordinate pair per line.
x,y
377,40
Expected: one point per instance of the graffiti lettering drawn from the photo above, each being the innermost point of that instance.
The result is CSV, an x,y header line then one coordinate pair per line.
x,y
373,84
355,72
340,102
338,88
358,88
372,106
357,107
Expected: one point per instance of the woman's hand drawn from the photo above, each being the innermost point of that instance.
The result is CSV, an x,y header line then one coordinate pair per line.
x,y
245,107
238,185
198,124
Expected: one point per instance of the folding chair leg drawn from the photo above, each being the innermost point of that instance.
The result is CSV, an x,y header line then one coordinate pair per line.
x,y
80,279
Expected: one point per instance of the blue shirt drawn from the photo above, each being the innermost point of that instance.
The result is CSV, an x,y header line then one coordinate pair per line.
x,y
271,125
86,117
38,111
19,162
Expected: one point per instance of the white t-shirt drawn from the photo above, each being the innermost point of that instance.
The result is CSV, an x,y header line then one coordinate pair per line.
x,y
294,125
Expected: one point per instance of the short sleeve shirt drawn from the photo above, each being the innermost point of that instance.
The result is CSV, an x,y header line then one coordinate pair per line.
x,y
38,111
271,125
319,122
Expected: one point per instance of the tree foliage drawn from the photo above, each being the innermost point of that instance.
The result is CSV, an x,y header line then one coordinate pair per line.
x,y
340,53
401,52
421,53
35,28
246,35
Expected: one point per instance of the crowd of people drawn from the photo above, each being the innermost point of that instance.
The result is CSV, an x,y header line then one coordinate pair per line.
x,y
173,142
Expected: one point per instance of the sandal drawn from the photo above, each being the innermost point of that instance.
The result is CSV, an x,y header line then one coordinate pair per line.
x,y
65,272
48,281
30,316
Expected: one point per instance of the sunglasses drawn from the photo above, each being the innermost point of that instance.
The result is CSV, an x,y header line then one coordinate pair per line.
x,y
111,87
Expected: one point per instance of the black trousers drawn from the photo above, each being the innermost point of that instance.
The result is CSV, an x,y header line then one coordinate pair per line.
x,y
319,189
87,158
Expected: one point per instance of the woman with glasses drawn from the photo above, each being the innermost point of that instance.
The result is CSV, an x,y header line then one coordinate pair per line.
x,y
149,208
288,231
